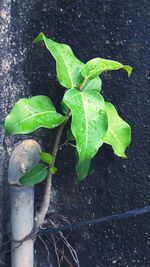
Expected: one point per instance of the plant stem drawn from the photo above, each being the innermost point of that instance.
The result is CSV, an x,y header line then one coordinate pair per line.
x,y
84,82
41,214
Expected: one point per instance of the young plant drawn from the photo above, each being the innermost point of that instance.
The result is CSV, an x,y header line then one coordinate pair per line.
x,y
93,121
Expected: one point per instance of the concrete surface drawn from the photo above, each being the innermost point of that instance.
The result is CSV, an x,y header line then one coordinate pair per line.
x,y
114,29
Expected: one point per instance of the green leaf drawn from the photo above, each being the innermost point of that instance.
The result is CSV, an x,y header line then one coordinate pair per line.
x,y
94,84
96,66
67,65
27,115
118,134
70,136
53,170
82,169
34,176
64,108
46,157
89,121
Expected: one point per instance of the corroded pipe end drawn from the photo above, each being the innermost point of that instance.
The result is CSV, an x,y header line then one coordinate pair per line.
x,y
23,158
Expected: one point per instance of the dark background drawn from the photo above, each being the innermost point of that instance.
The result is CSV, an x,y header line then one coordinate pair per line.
x,y
112,29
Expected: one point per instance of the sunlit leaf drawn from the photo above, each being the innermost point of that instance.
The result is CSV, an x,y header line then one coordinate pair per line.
x,y
118,134
89,121
34,176
27,115
88,85
67,65
96,66
94,84
46,157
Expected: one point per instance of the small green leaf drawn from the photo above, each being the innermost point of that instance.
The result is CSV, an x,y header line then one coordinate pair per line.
x,y
94,84
89,121
96,66
70,136
67,65
53,170
118,134
82,169
64,108
46,157
27,115
34,176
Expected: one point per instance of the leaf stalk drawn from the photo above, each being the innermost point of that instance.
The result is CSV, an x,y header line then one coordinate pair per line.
x,y
82,85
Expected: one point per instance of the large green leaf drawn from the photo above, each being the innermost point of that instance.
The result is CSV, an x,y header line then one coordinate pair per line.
x,y
96,66
68,66
34,176
89,121
118,134
28,115
94,84
82,169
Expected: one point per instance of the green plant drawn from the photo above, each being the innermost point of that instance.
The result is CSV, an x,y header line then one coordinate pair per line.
x,y
93,121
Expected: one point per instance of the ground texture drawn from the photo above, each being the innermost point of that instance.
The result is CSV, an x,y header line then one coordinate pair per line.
x,y
118,30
